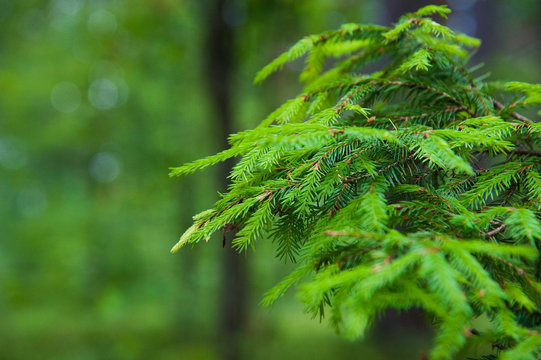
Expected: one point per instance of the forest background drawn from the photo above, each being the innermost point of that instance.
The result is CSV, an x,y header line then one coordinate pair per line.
x,y
98,99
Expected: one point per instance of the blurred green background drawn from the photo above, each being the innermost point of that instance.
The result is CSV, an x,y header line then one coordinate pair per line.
x,y
98,99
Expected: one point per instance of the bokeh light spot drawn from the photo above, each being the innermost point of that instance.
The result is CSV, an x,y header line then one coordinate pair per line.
x,y
12,157
123,91
66,7
103,94
102,21
104,167
66,97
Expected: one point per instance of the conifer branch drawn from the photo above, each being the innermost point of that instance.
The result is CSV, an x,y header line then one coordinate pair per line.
x,y
380,214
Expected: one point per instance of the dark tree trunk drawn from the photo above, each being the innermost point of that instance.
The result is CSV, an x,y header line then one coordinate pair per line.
x,y
485,14
219,68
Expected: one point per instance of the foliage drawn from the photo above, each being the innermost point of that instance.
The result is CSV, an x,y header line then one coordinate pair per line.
x,y
413,185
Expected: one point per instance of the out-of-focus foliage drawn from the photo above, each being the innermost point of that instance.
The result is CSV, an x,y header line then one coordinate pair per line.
x,y
98,99
91,119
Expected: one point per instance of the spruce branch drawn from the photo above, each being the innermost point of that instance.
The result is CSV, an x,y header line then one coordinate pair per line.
x,y
370,182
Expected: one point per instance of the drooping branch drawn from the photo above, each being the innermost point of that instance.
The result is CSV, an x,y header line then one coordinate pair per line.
x,y
428,189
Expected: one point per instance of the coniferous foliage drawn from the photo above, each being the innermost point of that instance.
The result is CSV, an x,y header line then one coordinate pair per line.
x,y
416,185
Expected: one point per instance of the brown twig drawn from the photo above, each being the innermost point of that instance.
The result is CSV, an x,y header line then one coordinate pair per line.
x,y
525,152
514,114
496,230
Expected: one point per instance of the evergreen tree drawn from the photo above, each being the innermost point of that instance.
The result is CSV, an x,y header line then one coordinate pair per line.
x,y
416,185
